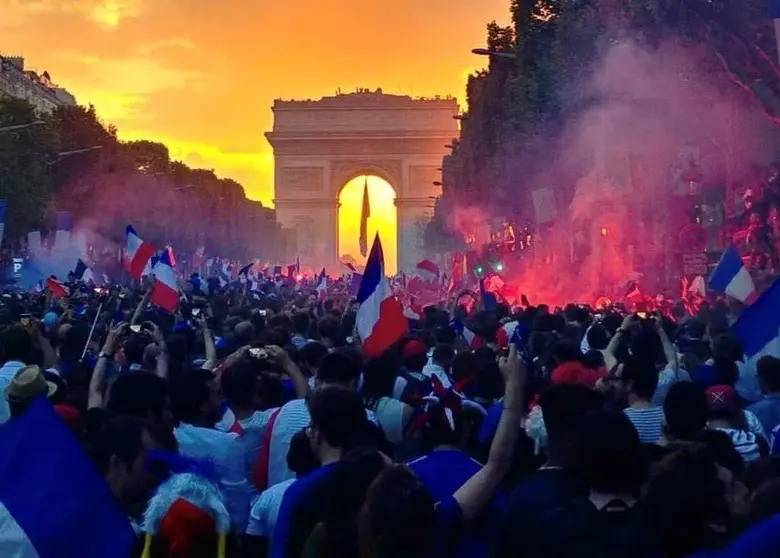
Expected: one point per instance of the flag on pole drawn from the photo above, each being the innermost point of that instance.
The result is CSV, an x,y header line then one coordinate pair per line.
x,y
43,516
364,215
758,327
137,253
731,276
427,270
57,289
165,293
380,319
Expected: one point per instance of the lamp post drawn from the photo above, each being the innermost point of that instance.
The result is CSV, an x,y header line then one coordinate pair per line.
x,y
22,126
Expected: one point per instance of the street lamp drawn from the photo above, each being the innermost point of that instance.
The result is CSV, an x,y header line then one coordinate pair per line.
x,y
65,154
493,53
22,126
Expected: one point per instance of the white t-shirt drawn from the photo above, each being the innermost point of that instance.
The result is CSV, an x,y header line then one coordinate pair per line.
x,y
265,510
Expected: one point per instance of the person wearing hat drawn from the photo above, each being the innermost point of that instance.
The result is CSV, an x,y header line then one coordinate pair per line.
x,y
725,415
26,386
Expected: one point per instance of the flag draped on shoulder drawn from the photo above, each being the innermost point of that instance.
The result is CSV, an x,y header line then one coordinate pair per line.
x,y
380,319
731,277
428,270
165,293
43,512
137,253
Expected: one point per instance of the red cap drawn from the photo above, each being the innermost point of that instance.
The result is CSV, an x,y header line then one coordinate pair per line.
x,y
575,373
184,527
413,348
722,398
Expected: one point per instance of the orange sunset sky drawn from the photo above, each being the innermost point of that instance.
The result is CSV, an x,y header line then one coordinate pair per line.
x,y
201,75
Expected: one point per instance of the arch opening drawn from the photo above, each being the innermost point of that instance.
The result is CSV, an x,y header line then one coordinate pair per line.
x,y
383,219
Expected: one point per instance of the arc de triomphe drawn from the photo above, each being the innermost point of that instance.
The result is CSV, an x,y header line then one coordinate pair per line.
x,y
321,145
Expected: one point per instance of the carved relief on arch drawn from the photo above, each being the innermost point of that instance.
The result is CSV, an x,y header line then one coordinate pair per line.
x,y
344,170
300,179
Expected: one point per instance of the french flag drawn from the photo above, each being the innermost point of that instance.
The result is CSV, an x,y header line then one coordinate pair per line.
x,y
137,253
164,293
40,515
380,319
472,339
57,289
758,327
322,285
731,277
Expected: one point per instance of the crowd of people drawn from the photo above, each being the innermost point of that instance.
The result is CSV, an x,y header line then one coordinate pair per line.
x,y
251,425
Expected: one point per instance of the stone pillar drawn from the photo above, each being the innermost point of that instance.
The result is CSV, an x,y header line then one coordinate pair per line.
x,y
414,214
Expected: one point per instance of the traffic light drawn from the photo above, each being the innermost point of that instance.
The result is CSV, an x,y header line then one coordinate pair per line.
x,y
479,270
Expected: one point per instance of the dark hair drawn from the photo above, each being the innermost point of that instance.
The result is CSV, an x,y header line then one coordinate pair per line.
x,y
611,454
17,344
300,458
685,490
138,395
300,323
564,405
339,416
464,365
120,437
379,376
643,376
685,409
769,372
398,517
443,353
339,367
567,351
134,346
345,493
765,501
597,337
328,328
312,353
593,360
722,449
240,383
189,393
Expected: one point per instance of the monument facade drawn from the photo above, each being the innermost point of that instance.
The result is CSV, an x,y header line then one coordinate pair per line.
x,y
319,146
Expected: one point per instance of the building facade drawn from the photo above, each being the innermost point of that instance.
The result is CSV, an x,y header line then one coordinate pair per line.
x,y
38,90
321,145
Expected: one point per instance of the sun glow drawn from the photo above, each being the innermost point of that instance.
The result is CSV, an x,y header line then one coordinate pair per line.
x,y
383,219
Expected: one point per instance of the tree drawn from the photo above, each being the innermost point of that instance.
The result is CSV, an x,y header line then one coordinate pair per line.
x,y
25,183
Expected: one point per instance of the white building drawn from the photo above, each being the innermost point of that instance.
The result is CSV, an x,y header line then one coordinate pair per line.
x,y
38,90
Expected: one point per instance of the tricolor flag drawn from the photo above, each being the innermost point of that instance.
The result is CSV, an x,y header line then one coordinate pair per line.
x,y
165,293
472,339
758,327
322,285
489,300
137,253
380,320
428,270
83,272
731,277
57,289
41,516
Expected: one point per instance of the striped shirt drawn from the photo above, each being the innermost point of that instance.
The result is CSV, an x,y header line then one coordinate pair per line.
x,y
648,423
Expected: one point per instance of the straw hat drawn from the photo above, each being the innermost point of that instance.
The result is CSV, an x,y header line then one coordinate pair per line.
x,y
28,383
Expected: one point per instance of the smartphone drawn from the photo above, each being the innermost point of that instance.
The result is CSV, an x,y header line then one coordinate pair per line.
x,y
98,290
24,319
258,353
641,315
261,312
195,312
135,328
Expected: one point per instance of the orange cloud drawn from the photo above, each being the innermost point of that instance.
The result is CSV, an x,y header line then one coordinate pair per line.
x,y
201,75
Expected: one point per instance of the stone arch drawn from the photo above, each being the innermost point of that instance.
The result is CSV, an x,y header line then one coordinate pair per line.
x,y
319,146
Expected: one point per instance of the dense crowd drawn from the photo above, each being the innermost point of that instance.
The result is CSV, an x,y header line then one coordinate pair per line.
x,y
249,425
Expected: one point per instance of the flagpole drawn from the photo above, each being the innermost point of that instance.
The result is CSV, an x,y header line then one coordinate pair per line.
x,y
91,331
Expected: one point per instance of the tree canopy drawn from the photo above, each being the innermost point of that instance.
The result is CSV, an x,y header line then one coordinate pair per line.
x,y
555,44
71,161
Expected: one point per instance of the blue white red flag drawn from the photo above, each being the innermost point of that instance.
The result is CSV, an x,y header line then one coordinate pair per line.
x,y
137,253
732,277
40,515
165,293
380,319
758,327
